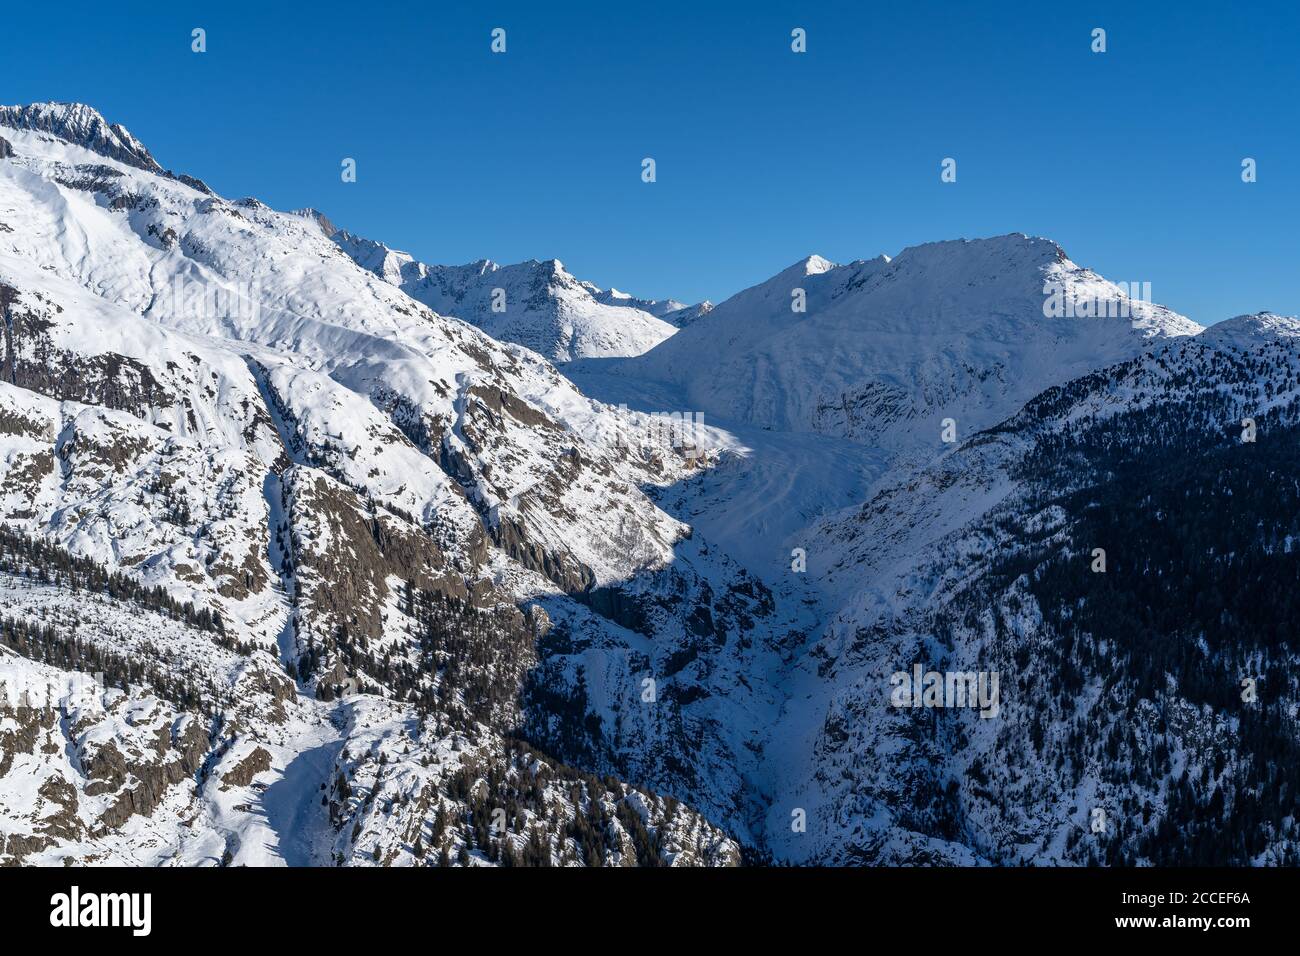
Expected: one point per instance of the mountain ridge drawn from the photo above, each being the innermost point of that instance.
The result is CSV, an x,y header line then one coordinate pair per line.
x,y
369,585
209,396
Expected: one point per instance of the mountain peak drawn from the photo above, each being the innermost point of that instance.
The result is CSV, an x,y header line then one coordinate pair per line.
x,y
869,349
1012,248
553,268
813,265
83,126
323,221
1248,331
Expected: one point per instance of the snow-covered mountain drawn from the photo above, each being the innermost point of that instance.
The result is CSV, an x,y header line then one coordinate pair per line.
x,y
370,581
375,502
836,376
1120,552
1123,733
670,310
882,351
83,125
537,304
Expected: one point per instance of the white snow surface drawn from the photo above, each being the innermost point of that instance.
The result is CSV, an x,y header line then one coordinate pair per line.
x,y
537,304
888,348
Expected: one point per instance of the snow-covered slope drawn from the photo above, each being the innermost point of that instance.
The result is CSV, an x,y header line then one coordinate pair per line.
x,y
886,349
890,361
1120,682
537,304
211,398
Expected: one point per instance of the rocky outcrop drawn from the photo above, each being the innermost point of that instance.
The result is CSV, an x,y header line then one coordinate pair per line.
x,y
242,774
83,126
32,361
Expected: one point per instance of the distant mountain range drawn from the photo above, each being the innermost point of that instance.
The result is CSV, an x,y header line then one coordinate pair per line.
x,y
537,304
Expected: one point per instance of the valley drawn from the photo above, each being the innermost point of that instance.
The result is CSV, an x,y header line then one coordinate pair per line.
x,y
389,563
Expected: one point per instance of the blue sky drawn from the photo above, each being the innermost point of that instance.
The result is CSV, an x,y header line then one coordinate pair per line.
x,y
1130,159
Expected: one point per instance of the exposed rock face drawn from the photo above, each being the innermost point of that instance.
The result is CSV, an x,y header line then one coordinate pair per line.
x,y
99,759
82,126
33,362
242,774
